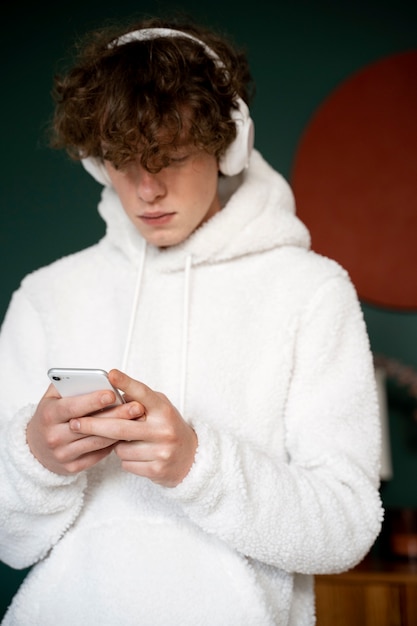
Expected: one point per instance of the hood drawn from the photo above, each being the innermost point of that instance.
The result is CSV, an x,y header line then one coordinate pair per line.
x,y
258,214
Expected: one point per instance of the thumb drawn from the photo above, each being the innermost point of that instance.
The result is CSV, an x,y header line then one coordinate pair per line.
x,y
134,389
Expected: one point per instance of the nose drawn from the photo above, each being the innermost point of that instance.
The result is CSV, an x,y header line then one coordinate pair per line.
x,y
149,187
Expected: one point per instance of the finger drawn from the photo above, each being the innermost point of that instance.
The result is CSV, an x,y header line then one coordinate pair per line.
x,y
116,429
85,461
85,445
51,392
129,410
78,406
135,389
135,451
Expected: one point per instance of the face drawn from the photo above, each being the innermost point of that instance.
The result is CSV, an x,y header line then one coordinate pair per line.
x,y
168,206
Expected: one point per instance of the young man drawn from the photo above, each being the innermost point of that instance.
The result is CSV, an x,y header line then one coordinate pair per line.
x,y
245,459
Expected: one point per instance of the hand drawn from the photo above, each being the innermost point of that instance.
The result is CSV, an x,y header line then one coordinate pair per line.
x,y
58,447
160,445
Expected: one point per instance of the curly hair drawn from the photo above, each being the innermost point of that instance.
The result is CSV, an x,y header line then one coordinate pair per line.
x,y
147,98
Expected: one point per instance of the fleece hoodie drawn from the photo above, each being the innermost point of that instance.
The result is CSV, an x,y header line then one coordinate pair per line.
x,y
261,344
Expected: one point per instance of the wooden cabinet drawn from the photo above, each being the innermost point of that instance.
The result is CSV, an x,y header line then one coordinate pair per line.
x,y
375,593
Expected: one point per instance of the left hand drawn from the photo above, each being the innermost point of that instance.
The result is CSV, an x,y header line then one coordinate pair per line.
x,y
160,445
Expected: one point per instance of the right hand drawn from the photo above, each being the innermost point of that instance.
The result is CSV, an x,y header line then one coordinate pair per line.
x,y
56,446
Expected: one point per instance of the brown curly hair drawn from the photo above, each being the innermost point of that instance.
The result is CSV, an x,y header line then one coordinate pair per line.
x,y
149,97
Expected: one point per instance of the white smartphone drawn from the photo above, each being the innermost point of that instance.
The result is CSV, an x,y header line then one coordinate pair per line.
x,y
78,381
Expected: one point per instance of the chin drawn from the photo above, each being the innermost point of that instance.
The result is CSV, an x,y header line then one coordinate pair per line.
x,y
166,240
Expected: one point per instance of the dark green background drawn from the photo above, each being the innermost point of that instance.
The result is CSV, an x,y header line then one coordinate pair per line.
x,y
299,52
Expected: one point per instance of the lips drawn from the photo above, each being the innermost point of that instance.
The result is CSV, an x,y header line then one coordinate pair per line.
x,y
156,219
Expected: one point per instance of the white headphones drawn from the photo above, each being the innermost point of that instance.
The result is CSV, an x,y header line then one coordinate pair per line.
x,y
237,155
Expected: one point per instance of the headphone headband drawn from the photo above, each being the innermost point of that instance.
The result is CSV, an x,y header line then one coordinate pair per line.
x,y
146,34
237,155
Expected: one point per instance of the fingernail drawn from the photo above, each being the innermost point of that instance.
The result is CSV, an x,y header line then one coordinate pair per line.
x,y
75,425
106,398
135,411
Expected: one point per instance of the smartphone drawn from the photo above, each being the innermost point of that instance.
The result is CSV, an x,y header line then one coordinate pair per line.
x,y
78,381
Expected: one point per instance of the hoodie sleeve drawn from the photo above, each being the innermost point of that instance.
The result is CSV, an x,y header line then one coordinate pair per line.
x,y
319,511
36,505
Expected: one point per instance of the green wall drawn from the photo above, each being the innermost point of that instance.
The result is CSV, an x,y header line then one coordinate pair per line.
x,y
299,51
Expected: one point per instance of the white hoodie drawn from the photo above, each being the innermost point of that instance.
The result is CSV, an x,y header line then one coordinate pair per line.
x,y
261,344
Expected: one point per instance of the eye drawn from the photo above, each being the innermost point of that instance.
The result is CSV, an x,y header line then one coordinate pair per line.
x,y
179,159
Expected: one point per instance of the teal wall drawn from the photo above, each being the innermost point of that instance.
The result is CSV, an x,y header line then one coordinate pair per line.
x,y
299,51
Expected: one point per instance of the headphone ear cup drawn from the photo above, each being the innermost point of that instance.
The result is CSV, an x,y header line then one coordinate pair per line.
x,y
236,157
96,168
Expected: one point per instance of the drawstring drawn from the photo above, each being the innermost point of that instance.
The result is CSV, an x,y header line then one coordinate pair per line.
x,y
185,324
138,283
